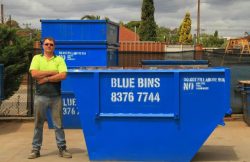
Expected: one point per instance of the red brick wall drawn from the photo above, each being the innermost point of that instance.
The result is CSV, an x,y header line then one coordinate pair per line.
x,y
126,34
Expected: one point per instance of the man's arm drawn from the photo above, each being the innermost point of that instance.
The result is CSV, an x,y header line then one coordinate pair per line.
x,y
58,77
53,78
37,74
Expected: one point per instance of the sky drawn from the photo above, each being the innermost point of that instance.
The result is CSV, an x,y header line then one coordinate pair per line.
x,y
230,17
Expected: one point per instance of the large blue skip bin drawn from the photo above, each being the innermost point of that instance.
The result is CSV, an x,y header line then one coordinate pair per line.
x,y
88,55
149,115
1,82
84,31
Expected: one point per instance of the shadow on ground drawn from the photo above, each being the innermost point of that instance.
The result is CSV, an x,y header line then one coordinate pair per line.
x,y
7,127
216,153
74,151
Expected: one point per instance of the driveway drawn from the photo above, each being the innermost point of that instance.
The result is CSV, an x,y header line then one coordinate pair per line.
x,y
228,143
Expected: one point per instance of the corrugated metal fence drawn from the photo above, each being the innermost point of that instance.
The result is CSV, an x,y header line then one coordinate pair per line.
x,y
132,53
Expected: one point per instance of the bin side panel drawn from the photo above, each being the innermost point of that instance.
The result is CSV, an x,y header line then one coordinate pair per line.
x,y
88,55
204,101
112,33
112,56
143,93
77,57
74,31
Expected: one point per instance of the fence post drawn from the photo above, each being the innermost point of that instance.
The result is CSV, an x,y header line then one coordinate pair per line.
x,y
30,95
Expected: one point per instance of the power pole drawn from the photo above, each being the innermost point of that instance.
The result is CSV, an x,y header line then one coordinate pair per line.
x,y
198,23
2,17
135,33
10,21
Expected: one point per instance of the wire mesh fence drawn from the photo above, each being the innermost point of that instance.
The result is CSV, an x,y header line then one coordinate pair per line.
x,y
16,105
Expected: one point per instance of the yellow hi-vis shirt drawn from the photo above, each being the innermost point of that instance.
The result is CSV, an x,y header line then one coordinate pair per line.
x,y
56,63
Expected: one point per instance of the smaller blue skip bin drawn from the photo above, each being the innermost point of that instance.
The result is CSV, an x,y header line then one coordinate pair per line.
x,y
71,119
81,30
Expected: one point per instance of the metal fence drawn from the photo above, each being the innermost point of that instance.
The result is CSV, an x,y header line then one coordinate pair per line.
x,y
16,105
134,58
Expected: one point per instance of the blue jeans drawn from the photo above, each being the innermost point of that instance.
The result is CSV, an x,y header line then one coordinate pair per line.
x,y
41,104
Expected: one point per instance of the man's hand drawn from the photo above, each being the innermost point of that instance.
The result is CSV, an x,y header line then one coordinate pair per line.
x,y
43,80
58,77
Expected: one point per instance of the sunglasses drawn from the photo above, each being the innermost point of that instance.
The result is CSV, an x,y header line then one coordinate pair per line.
x,y
47,44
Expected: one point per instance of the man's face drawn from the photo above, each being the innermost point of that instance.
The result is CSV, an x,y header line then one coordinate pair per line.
x,y
48,46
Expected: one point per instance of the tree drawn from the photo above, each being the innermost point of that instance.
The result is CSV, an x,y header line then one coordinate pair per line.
x,y
163,34
91,17
216,34
211,40
106,18
132,25
173,37
12,23
14,51
121,23
147,29
184,32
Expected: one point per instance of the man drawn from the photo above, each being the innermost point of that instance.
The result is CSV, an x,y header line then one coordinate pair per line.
x,y
48,70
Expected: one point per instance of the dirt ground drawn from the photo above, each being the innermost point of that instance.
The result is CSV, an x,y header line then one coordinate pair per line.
x,y
228,143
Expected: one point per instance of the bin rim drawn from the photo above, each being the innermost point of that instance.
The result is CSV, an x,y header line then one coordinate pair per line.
x,y
85,43
76,21
120,70
174,62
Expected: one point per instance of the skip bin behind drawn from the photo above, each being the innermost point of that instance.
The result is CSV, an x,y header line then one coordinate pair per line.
x,y
149,115
245,99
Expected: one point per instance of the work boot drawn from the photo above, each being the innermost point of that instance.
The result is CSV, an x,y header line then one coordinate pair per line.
x,y
34,154
63,152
